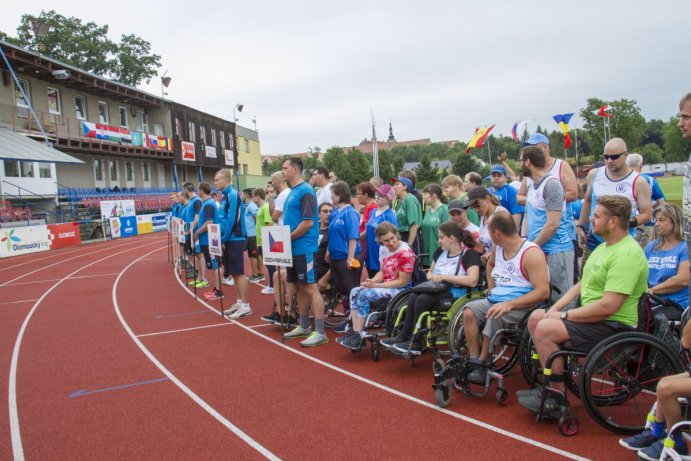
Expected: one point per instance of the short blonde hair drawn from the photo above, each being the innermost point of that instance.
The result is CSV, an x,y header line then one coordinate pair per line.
x,y
453,180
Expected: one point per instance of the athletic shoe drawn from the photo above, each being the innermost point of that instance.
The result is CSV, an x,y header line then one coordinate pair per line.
x,y
298,332
252,279
201,284
229,281
209,293
391,342
232,310
654,451
352,340
532,403
267,291
413,347
478,375
315,339
244,311
193,282
347,336
526,392
260,278
639,441
274,318
216,294
343,328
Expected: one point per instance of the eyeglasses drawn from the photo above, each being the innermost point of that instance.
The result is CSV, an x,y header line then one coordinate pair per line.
x,y
613,156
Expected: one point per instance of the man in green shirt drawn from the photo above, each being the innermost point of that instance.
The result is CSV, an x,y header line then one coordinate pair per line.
x,y
263,219
614,278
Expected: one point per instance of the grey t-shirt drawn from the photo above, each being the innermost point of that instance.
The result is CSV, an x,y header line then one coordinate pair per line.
x,y
553,194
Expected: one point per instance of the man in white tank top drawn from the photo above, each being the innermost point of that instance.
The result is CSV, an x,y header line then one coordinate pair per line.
x,y
615,178
517,278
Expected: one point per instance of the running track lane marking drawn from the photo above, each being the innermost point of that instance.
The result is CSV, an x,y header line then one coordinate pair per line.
x,y
225,324
198,400
82,392
55,280
17,448
165,316
21,301
398,393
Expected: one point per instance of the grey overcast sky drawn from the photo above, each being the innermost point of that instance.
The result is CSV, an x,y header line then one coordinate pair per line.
x,y
310,71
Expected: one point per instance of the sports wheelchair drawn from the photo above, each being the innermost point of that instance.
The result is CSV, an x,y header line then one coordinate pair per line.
x,y
616,379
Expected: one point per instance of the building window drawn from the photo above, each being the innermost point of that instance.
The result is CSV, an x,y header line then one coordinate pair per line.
x,y
123,116
103,112
98,169
145,171
113,170
213,137
158,129
44,170
21,102
178,126
80,107
53,101
244,168
222,135
128,171
247,145
142,121
26,169
191,134
11,168
202,134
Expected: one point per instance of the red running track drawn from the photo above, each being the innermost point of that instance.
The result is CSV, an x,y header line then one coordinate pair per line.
x,y
106,355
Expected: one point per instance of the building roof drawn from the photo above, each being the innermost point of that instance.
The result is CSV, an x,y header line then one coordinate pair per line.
x,y
437,164
16,146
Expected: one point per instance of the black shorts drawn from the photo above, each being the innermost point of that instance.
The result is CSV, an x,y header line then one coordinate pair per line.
x,y
188,246
209,260
233,258
251,247
302,271
584,336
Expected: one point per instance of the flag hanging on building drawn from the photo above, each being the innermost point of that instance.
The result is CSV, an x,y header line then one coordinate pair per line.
x,y
603,111
478,137
563,122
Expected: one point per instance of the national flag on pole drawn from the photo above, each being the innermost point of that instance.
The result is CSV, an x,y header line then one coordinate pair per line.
x,y
563,122
519,126
479,137
603,111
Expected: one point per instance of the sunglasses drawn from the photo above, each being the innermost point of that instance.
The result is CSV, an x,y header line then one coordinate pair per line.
x,y
613,156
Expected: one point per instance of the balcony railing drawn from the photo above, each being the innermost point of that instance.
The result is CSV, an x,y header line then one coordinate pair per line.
x,y
67,132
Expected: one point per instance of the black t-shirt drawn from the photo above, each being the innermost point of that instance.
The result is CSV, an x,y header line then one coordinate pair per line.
x,y
320,264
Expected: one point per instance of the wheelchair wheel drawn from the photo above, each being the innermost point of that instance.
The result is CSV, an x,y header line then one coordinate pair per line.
x,y
506,351
456,339
620,377
393,309
334,314
438,365
442,394
532,372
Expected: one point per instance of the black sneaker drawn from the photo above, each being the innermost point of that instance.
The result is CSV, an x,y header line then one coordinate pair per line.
x,y
532,403
352,340
413,347
274,318
216,294
478,375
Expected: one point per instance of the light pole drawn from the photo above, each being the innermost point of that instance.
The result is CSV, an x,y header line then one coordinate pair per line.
x,y
239,108
41,29
165,81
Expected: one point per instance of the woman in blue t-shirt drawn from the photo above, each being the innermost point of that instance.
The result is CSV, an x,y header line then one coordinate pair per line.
x,y
383,197
344,252
668,260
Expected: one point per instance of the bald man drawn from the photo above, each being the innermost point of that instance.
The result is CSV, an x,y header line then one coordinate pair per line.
x,y
615,178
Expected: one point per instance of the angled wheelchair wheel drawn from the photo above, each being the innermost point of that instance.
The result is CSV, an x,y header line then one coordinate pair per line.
x,y
506,352
456,338
334,313
620,376
394,311
532,370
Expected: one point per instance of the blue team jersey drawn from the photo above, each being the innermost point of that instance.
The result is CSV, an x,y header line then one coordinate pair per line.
x,y
251,210
231,229
507,198
663,264
193,207
208,211
655,194
344,225
372,257
301,205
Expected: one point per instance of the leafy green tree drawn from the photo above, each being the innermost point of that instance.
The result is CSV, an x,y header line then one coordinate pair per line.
x,y
626,121
465,164
360,166
425,173
677,148
653,133
386,170
398,163
266,171
651,153
336,161
87,46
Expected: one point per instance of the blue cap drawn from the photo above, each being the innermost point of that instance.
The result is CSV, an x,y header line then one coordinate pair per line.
x,y
498,169
408,183
536,138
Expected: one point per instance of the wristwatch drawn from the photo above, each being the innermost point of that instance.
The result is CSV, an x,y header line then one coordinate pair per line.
x,y
564,315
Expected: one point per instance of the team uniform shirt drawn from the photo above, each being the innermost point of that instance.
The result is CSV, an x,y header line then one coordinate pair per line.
x,y
301,205
376,218
232,229
365,216
279,204
430,230
263,219
324,194
393,263
663,264
602,185
576,207
510,281
619,268
320,264
655,194
193,207
175,210
686,204
507,198
555,170
343,227
408,212
445,265
251,210
207,212
543,197
484,236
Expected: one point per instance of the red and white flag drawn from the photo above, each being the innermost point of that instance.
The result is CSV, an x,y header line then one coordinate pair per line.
x,y
603,111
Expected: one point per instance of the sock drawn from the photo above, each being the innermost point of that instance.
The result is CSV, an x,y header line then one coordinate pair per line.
x,y
679,441
304,321
247,305
658,429
319,326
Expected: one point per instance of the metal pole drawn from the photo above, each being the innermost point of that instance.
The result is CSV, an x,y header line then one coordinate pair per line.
x,y
489,152
220,284
281,305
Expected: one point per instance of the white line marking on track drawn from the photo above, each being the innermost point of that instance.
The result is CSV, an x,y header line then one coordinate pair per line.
x,y
260,325
225,324
15,433
18,302
410,398
55,280
198,400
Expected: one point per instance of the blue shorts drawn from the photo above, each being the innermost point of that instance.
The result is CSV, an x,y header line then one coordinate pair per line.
x,y
233,258
208,259
302,271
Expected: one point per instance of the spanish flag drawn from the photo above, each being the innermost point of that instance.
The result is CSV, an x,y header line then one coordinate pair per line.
x,y
563,122
479,137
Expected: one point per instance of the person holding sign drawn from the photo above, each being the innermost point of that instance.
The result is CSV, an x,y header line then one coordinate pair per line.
x,y
207,215
300,214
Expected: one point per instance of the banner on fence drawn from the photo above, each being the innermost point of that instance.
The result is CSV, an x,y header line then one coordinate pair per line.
x,y
215,248
145,224
181,230
64,235
117,208
128,226
115,228
276,246
23,240
159,222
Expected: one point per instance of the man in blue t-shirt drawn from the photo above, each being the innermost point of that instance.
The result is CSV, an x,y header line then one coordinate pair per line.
x,y
233,236
300,214
191,216
505,193
207,215
251,210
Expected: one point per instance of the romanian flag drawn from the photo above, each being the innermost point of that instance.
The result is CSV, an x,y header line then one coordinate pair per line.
x,y
603,111
563,122
478,137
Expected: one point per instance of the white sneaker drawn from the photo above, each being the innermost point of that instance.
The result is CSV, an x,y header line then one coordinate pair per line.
x,y
267,291
229,281
243,311
298,332
232,309
315,339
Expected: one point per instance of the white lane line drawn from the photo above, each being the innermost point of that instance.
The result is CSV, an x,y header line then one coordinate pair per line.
x,y
408,397
15,433
225,324
261,325
197,399
55,280
18,302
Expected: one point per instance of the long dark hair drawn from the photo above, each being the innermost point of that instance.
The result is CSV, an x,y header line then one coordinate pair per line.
x,y
453,229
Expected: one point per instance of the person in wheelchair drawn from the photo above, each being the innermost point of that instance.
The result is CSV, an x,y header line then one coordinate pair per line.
x,y
614,278
649,444
455,264
668,261
397,262
517,279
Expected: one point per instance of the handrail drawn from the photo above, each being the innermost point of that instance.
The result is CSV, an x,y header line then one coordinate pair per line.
x,y
25,189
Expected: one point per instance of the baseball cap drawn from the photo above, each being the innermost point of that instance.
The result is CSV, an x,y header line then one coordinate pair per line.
x,y
536,138
386,191
408,183
474,194
498,169
456,205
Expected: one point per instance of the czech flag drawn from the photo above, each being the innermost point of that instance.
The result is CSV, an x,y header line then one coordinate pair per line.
x,y
563,122
479,137
603,111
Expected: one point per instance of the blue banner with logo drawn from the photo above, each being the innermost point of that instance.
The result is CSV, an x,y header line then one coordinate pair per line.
x,y
128,226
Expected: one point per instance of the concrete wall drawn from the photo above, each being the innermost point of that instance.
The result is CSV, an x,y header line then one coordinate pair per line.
x,y
85,175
